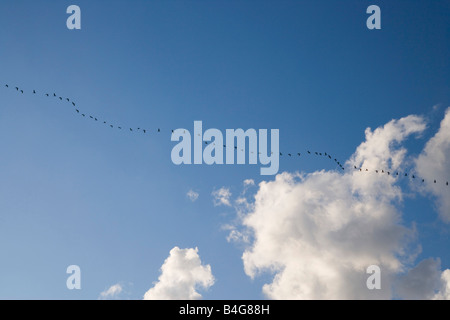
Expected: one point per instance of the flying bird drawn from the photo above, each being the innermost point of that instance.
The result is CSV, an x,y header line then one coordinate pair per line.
x,y
21,91
67,99
34,91
54,94
144,131
159,130
299,154
78,111
46,94
83,115
6,86
73,104
17,88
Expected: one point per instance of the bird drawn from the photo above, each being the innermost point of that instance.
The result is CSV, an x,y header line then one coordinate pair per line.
x,y
406,174
34,91
91,117
434,181
325,153
60,98
78,111
73,103
281,154
6,86
413,177
388,173
446,183
131,129
329,156
21,91
54,94
46,94
309,152
290,155
423,180
159,130
111,126
354,167
144,131
17,89
120,128
95,119
206,142
67,99
317,154
299,154
172,131
104,122
83,115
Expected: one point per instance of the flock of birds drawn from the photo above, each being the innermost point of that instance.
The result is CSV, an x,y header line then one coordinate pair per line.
x,y
158,130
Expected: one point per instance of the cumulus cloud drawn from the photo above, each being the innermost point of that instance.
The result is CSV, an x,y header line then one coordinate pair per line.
x,y
192,195
182,274
317,233
434,163
222,197
112,292
421,282
444,290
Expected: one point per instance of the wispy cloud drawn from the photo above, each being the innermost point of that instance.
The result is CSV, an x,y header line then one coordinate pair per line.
x,y
222,197
192,195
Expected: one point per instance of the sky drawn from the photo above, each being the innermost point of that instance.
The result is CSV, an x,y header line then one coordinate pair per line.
x,y
74,191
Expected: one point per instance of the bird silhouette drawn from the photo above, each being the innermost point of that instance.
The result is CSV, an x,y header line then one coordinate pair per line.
x,y
46,94
83,115
91,117
111,126
34,91
67,99
290,155
159,130
21,91
17,88
144,131
60,98
54,94
131,129
309,152
299,154
73,103
78,111
6,86
120,128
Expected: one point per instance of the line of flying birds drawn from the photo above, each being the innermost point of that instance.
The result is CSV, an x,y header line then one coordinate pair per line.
x,y
298,154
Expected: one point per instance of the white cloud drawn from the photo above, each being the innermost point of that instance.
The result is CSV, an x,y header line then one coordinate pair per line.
x,y
192,195
222,197
444,292
181,275
249,182
112,292
318,233
434,164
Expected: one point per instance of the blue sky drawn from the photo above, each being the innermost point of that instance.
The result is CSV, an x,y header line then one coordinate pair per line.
x,y
74,191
